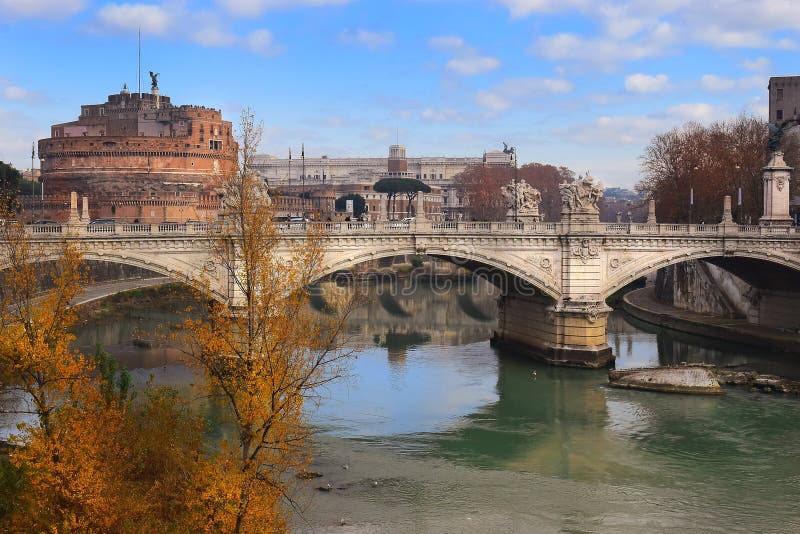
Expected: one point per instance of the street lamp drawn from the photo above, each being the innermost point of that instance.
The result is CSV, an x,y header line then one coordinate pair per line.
x,y
512,151
691,192
739,193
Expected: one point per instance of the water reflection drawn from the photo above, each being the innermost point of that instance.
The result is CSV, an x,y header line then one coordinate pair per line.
x,y
427,384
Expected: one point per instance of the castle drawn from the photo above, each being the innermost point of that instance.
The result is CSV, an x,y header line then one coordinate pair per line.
x,y
140,158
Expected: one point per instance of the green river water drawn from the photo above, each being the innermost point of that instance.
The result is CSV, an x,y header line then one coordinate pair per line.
x,y
434,430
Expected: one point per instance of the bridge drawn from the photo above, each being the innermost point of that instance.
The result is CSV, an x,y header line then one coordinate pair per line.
x,y
556,276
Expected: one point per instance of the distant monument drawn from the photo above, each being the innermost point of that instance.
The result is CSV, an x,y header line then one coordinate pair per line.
x,y
521,195
579,199
154,80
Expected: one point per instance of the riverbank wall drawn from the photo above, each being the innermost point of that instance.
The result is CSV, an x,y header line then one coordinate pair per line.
x,y
759,294
644,305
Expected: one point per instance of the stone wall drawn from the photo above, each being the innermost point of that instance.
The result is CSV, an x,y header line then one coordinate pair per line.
x,y
702,287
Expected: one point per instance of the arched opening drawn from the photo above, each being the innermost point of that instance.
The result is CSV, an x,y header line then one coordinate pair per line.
x,y
749,289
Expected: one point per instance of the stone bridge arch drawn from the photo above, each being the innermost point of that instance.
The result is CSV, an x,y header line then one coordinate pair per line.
x,y
187,271
543,280
651,262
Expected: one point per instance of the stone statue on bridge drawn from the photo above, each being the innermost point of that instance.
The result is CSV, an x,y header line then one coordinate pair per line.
x,y
579,199
777,130
526,199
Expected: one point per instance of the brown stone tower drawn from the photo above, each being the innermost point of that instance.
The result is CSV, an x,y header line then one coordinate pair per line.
x,y
137,146
397,160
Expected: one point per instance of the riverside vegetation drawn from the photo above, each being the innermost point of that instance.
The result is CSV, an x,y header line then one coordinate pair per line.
x,y
95,457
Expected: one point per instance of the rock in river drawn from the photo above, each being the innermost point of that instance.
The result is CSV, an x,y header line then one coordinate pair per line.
x,y
699,380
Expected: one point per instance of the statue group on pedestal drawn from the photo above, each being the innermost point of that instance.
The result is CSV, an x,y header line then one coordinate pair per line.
x,y
581,195
521,195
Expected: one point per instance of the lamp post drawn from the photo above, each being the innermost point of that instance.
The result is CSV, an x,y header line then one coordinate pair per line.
x,y
512,151
691,192
516,200
33,185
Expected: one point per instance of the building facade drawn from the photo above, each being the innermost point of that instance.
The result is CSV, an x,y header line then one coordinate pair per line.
x,y
784,98
139,148
358,174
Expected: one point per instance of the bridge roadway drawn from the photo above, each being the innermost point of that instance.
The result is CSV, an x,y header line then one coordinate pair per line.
x,y
556,275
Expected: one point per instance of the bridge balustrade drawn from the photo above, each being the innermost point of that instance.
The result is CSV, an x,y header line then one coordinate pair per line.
x,y
440,227
101,229
45,229
137,228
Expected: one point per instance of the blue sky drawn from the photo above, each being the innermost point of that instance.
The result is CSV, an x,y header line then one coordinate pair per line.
x,y
579,83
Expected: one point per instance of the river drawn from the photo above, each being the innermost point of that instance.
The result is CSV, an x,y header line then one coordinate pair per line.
x,y
434,430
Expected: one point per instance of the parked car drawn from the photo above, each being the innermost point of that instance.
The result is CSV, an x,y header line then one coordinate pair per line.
x,y
103,222
402,223
46,222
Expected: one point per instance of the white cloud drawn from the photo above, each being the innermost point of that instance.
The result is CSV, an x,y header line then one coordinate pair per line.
x,y
262,43
151,19
12,92
206,29
759,64
447,43
470,66
441,115
467,60
644,83
371,40
253,8
712,82
15,93
521,92
638,129
786,44
49,9
492,101
601,52
521,8
173,21
728,38
758,106
16,141
695,111
641,29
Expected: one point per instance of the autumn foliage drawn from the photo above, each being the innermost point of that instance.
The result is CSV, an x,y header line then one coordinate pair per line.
x,y
479,187
713,161
95,457
89,459
262,355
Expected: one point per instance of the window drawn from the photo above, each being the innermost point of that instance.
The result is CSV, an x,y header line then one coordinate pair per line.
x,y
424,176
213,144
440,176
779,96
779,114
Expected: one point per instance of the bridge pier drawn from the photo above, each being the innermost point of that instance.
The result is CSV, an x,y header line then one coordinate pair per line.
x,y
559,333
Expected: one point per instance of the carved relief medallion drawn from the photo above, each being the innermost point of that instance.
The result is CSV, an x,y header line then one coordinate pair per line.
x,y
585,251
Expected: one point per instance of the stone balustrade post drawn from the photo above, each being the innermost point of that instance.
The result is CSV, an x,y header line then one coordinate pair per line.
x,y
651,212
776,179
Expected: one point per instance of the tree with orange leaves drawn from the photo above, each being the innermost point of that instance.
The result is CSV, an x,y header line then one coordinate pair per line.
x,y
264,353
87,459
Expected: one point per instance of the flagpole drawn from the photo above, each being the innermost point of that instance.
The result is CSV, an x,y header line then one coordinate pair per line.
x,y
139,71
